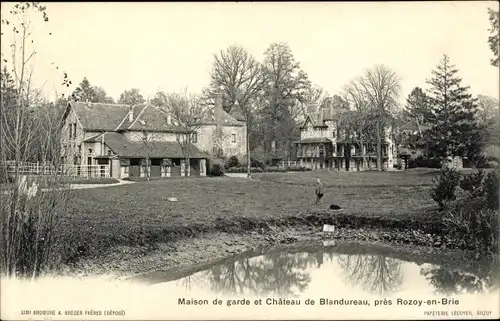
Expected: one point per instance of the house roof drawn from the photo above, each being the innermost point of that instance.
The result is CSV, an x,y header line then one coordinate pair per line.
x,y
227,119
100,117
237,113
313,140
123,147
151,118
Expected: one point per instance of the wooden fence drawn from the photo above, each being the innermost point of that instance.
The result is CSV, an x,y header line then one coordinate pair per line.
x,y
288,163
87,171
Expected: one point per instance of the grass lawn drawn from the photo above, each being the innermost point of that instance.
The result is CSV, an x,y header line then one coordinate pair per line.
x,y
140,213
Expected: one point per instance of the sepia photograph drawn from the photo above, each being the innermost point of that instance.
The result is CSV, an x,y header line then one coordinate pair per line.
x,y
250,160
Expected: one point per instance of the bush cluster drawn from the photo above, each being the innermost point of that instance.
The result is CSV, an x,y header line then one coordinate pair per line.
x,y
424,162
268,169
475,217
445,186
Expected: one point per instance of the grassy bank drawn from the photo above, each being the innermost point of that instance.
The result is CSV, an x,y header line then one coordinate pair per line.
x,y
141,215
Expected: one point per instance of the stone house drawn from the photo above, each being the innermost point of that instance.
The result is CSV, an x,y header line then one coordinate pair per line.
x,y
134,141
223,134
324,145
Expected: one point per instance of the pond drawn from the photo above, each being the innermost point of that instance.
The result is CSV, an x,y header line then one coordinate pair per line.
x,y
333,268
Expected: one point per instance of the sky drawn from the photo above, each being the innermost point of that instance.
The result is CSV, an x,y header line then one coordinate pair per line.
x,y
170,46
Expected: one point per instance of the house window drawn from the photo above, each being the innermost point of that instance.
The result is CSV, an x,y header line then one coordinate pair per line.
x,y
333,134
90,150
70,131
233,138
110,152
79,149
74,130
194,139
125,169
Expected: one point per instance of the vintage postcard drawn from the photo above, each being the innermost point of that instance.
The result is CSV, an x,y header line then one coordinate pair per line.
x,y
249,160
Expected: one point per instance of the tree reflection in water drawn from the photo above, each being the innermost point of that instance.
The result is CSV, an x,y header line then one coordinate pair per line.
x,y
374,273
448,281
280,274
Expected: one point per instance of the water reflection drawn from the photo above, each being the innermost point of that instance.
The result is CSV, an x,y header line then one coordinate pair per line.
x,y
377,270
374,273
449,281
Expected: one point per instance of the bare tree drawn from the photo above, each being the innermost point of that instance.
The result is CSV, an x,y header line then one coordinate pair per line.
x,y
238,76
312,95
380,87
189,112
149,140
28,217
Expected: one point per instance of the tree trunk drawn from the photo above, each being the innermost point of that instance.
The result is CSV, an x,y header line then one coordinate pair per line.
x,y
379,146
249,161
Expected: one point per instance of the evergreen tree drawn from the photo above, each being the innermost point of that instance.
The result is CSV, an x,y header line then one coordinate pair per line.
x,y
455,129
84,92
417,106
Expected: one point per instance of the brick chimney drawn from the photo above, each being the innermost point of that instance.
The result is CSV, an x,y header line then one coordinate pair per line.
x,y
131,115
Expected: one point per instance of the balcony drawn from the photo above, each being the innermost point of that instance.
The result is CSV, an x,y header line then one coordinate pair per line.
x,y
313,154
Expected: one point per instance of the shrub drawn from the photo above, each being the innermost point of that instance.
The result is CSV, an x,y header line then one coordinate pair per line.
x,y
241,169
472,183
257,163
297,169
491,190
487,162
274,169
233,161
216,170
425,162
445,185
473,227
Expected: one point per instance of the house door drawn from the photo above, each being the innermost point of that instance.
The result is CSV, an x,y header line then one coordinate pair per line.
x,y
156,167
135,167
89,167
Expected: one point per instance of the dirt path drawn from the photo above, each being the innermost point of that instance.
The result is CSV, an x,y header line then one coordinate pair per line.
x,y
86,186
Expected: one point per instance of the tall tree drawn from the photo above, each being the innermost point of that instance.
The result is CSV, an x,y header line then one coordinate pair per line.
x,y
455,129
285,84
380,87
357,122
189,111
238,76
493,39
312,95
84,92
417,106
131,97
102,97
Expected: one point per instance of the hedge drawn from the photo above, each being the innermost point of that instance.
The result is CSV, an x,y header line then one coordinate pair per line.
x,y
269,169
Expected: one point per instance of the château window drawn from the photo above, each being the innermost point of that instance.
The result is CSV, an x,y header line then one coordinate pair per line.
x,y
233,138
333,134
